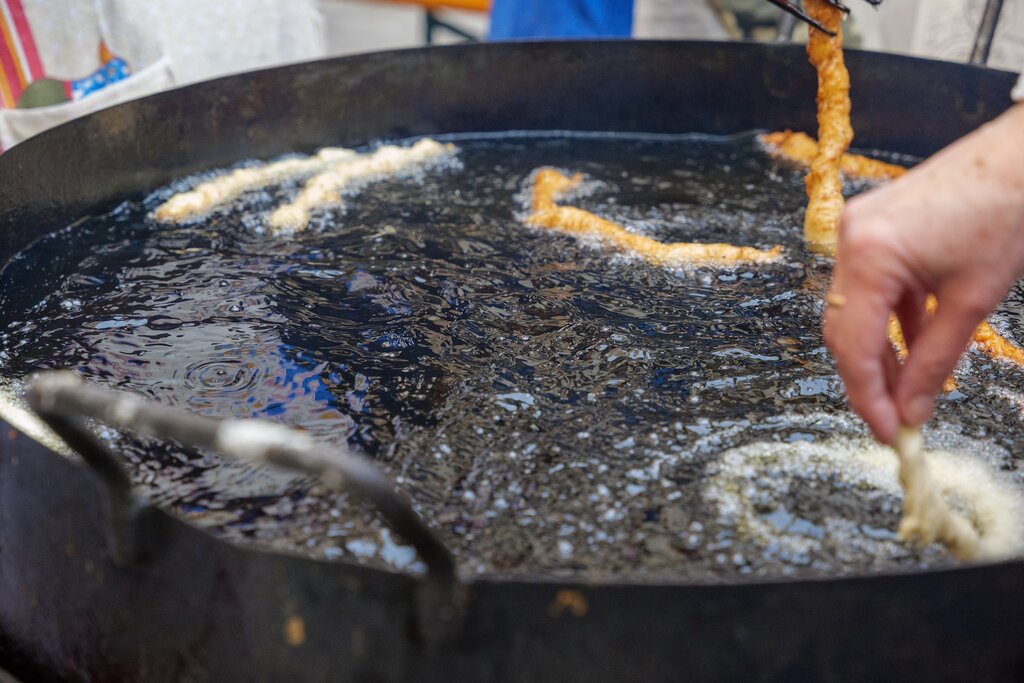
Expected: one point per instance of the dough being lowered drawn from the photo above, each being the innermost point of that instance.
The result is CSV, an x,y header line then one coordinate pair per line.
x,y
928,518
958,498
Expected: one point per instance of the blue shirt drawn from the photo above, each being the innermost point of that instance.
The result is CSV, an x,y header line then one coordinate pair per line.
x,y
561,19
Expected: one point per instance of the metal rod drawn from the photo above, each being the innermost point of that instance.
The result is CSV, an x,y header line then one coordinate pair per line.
x,y
986,32
62,399
786,27
800,14
433,23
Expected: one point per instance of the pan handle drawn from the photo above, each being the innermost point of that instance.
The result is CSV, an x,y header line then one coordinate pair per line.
x,y
129,528
62,400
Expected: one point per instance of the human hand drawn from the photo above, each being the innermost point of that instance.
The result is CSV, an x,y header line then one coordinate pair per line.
x,y
953,227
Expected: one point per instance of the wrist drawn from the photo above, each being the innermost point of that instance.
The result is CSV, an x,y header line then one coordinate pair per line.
x,y
999,152
1015,113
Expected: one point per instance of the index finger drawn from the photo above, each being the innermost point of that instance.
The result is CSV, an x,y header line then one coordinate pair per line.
x,y
856,334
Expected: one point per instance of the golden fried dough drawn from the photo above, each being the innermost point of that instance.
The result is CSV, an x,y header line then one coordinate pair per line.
x,y
985,338
549,184
802,148
824,186
997,346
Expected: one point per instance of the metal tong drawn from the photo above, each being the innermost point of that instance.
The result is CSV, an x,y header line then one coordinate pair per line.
x,y
795,10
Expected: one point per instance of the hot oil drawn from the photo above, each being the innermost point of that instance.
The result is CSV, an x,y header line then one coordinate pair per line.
x,y
548,405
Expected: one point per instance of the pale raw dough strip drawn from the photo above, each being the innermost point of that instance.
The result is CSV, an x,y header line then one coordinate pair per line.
x,y
995,502
326,188
548,184
926,516
223,189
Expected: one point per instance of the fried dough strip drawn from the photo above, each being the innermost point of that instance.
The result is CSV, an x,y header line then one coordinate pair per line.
x,y
985,338
548,184
897,339
327,187
221,190
996,345
824,186
802,148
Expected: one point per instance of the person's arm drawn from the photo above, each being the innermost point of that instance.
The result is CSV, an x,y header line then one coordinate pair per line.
x,y
953,227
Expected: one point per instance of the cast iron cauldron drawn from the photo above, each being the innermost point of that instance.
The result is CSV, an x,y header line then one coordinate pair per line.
x,y
195,608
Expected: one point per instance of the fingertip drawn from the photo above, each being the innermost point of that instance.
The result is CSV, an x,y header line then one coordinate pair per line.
x,y
868,394
917,409
878,410
885,424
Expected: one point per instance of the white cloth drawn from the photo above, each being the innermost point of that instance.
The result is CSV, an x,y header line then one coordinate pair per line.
x,y
941,29
165,42
204,39
945,29
17,125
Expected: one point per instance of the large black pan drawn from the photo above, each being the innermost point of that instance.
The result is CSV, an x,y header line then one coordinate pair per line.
x,y
195,608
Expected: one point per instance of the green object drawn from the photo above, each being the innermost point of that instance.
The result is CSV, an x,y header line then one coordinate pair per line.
x,y
42,93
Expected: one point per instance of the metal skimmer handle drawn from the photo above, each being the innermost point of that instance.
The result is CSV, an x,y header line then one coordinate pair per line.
x,y
62,400
986,32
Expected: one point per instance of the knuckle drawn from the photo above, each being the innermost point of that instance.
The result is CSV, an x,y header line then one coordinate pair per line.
x,y
853,217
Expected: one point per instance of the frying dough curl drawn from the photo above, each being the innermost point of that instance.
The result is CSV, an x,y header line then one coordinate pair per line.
x,y
802,148
824,186
926,516
223,189
549,184
327,187
987,522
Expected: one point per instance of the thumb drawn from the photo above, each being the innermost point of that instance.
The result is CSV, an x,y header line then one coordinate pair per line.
x,y
934,355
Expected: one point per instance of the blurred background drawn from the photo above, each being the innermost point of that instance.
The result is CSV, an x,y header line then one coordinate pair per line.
x,y
64,58
941,29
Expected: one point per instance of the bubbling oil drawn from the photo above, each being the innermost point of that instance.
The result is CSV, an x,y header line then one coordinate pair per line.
x,y
548,406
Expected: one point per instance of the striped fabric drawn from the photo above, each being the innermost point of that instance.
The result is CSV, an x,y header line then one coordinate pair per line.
x,y
19,58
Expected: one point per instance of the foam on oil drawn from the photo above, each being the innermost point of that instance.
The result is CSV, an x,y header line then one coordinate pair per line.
x,y
546,405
